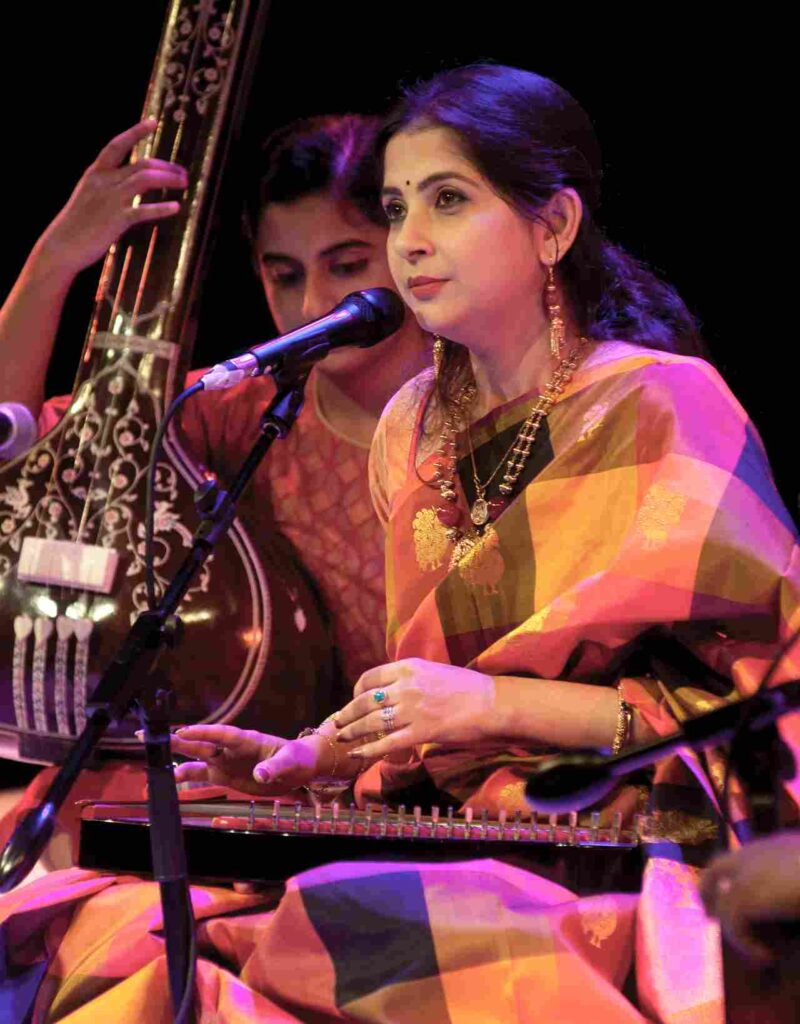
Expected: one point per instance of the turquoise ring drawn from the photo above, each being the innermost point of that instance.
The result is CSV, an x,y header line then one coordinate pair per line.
x,y
379,696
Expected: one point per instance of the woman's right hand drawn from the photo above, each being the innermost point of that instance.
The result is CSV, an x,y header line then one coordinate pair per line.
x,y
99,209
243,759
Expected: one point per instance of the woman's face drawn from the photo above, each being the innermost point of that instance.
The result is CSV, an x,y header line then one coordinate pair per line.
x,y
465,262
312,252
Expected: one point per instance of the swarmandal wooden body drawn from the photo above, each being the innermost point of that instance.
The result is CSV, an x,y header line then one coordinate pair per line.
x,y
271,841
72,510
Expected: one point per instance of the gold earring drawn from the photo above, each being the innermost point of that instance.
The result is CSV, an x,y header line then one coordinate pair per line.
x,y
438,354
554,314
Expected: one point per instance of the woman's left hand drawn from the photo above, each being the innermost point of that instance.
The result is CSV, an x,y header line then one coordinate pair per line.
x,y
416,701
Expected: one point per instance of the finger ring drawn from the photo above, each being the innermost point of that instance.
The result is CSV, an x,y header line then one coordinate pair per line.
x,y
379,696
218,752
387,716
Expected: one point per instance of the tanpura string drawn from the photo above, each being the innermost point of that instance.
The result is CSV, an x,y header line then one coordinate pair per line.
x,y
148,259
91,408
130,322
150,146
111,418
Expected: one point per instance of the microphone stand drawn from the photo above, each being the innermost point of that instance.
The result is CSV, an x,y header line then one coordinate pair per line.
x,y
757,754
761,760
134,678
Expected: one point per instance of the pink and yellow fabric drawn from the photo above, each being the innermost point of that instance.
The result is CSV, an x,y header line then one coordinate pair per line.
x,y
391,943
647,544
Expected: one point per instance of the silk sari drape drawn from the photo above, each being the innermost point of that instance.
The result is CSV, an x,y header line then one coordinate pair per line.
x,y
647,547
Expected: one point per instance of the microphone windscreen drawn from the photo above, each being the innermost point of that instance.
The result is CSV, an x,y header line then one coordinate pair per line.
x,y
385,314
18,429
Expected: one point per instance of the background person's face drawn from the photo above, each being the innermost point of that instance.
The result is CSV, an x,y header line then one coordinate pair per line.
x,y
312,252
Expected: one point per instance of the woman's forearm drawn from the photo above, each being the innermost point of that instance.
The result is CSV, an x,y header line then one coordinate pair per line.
x,y
438,703
29,321
557,713
99,211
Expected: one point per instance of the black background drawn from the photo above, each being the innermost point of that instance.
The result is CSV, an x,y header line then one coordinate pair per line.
x,y
685,112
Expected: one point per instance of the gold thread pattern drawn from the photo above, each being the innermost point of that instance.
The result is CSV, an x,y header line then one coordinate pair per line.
x,y
430,540
479,560
661,510
677,827
599,919
592,420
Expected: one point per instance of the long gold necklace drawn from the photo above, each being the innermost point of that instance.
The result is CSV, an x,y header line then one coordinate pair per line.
x,y
483,509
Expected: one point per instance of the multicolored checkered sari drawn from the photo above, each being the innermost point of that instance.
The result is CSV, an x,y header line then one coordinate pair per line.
x,y
646,545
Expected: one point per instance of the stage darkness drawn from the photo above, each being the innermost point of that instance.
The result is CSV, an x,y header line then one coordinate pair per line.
x,y
680,112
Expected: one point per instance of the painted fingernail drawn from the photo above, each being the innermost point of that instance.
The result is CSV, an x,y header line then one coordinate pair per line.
x,y
261,774
341,738
356,752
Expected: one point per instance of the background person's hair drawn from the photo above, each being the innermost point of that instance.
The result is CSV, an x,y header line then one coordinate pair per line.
x,y
529,138
332,154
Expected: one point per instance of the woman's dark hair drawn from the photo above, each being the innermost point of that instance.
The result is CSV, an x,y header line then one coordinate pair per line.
x,y
529,138
333,153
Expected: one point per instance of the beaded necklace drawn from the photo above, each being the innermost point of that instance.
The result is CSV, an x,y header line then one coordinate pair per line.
x,y
485,510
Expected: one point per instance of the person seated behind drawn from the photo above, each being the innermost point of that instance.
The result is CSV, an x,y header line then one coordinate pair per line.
x,y
318,233
584,548
757,885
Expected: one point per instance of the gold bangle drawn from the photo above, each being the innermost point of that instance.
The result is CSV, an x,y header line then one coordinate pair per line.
x,y
624,722
334,747
311,731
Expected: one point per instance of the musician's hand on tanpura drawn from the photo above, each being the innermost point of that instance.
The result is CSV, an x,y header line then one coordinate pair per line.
x,y
97,213
429,702
99,209
243,759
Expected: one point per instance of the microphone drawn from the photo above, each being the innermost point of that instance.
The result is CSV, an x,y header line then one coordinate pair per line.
x,y
567,782
18,429
361,318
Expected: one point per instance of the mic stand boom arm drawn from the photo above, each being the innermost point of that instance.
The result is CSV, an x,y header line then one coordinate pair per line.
x,y
570,781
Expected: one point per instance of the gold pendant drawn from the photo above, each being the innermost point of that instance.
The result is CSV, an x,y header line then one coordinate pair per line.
x,y
479,513
463,548
479,560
